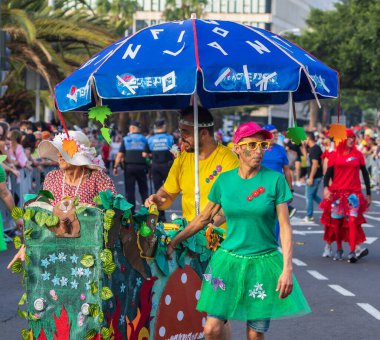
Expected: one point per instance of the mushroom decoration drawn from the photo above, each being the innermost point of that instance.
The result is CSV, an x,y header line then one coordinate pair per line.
x,y
176,316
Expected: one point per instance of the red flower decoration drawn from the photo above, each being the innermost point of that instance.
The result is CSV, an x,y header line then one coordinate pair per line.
x,y
255,193
249,198
261,190
122,268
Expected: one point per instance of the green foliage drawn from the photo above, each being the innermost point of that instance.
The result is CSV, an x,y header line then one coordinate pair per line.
x,y
90,334
106,256
17,242
87,260
28,214
28,232
94,310
22,300
346,39
184,11
41,218
93,288
106,134
108,268
17,213
16,267
106,293
46,193
52,221
99,113
296,134
105,333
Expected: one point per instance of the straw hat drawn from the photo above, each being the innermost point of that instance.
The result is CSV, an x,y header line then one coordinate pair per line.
x,y
85,156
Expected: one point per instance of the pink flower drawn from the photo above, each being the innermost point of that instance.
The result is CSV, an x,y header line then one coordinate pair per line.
x,y
82,296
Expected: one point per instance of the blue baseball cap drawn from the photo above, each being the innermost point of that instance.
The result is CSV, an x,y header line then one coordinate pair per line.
x,y
269,127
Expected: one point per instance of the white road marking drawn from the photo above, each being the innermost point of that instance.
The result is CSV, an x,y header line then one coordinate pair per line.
x,y
299,195
120,182
317,275
299,263
366,225
370,310
304,212
370,240
341,290
305,232
372,218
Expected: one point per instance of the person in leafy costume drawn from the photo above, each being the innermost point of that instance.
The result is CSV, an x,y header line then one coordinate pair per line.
x,y
80,172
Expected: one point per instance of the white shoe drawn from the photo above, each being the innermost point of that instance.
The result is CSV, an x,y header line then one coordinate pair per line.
x,y
327,252
308,219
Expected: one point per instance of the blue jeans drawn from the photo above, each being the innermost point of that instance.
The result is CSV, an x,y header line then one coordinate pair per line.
x,y
260,326
312,195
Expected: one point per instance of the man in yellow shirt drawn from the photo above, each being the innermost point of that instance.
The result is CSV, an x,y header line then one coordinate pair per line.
x,y
214,158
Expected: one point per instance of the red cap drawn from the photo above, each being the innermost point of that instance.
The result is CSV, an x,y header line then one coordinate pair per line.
x,y
250,129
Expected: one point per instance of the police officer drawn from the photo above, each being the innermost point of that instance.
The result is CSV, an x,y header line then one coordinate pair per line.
x,y
135,168
158,147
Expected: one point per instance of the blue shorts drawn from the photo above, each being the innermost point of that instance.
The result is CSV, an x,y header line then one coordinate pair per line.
x,y
260,326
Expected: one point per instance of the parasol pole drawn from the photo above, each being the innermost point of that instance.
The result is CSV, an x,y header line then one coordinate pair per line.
x,y
196,154
290,116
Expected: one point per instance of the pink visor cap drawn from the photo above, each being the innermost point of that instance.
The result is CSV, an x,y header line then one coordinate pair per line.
x,y
249,129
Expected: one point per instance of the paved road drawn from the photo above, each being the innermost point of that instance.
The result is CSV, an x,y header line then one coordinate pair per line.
x,y
344,297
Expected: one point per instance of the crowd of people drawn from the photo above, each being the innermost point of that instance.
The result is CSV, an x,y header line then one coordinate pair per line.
x,y
259,165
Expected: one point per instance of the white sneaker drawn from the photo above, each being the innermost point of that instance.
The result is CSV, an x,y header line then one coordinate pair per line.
x,y
308,219
327,252
298,184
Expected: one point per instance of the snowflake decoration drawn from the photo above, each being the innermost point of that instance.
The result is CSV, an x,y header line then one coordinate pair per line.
x,y
61,257
74,284
138,282
74,258
122,319
53,258
87,272
80,272
74,272
45,263
45,276
55,281
88,285
122,288
64,281
257,291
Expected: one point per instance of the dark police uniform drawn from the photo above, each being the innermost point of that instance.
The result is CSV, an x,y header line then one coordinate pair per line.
x,y
135,167
159,145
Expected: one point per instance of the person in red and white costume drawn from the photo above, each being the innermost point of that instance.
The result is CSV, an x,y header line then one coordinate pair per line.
x,y
344,203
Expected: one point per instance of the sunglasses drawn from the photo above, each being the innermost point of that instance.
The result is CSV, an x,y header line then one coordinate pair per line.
x,y
264,145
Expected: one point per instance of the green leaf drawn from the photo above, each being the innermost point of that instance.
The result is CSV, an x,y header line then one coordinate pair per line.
x,y
97,200
181,259
52,221
121,203
28,232
101,317
17,213
27,259
93,288
46,193
110,213
105,333
106,293
296,134
22,300
90,334
106,134
109,268
28,214
17,242
106,256
16,267
26,334
22,314
87,260
94,310
106,198
145,231
41,218
99,113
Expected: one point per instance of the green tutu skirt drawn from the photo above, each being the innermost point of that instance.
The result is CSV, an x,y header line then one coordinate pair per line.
x,y
237,287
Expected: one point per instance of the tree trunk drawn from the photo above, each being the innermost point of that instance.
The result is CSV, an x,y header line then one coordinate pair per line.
x,y
313,107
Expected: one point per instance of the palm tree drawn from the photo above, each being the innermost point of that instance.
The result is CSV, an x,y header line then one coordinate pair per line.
x,y
49,42
172,12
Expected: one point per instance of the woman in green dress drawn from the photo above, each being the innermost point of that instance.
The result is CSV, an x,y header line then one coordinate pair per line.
x,y
248,278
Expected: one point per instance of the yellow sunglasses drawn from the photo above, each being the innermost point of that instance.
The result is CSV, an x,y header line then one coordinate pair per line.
x,y
264,145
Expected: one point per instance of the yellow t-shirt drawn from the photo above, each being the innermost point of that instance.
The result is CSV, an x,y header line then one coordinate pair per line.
x,y
182,176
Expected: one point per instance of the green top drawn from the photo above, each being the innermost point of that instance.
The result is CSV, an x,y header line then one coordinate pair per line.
x,y
250,222
3,176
